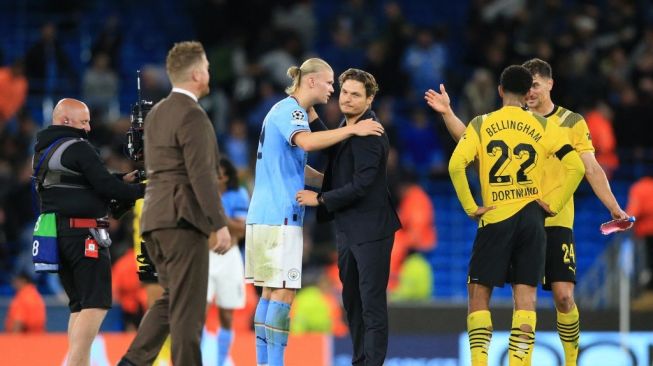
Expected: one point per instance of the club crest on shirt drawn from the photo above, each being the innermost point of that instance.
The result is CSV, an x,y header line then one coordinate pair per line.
x,y
293,274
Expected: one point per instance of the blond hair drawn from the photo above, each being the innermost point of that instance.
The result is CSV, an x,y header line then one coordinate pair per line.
x,y
181,57
310,66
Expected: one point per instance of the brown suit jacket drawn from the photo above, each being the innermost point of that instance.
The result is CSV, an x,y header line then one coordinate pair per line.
x,y
181,160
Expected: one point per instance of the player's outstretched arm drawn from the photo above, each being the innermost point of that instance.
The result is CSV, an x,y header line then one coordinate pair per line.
x,y
440,103
600,185
314,141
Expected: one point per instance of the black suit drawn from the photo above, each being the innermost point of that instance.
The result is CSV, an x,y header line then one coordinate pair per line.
x,y
355,194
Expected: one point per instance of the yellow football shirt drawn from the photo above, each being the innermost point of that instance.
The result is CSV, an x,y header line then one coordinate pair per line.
x,y
576,129
511,145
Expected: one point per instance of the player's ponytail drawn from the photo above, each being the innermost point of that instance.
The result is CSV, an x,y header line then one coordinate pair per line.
x,y
309,66
295,73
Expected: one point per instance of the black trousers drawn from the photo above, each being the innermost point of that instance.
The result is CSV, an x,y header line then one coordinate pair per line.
x,y
364,269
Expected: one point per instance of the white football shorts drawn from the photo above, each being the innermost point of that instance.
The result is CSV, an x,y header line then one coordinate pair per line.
x,y
273,255
226,279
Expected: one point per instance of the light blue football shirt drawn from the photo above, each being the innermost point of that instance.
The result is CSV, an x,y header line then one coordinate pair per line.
x,y
279,167
235,203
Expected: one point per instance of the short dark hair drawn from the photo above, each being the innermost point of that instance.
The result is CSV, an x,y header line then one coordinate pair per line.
x,y
230,171
371,87
539,67
516,79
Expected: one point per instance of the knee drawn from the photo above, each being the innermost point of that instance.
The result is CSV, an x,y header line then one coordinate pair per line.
x,y
375,319
564,301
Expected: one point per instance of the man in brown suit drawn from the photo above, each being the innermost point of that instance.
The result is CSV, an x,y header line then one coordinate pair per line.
x,y
182,209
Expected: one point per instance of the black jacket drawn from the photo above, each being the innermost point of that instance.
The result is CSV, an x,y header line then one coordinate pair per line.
x,y
355,187
83,158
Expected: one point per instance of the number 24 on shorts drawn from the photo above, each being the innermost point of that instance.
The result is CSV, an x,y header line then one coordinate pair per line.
x,y
569,255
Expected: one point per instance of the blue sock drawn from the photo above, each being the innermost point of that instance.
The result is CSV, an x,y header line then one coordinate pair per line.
x,y
259,330
224,343
277,324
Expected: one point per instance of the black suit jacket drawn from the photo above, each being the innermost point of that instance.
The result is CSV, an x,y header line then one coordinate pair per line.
x,y
355,188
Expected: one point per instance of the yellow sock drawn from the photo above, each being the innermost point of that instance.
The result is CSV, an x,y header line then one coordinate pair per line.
x,y
479,329
522,337
528,359
165,355
569,332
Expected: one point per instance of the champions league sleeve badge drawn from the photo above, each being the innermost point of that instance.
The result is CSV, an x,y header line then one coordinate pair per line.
x,y
299,118
297,114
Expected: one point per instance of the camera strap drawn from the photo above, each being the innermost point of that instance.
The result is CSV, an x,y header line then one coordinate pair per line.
x,y
45,157
39,174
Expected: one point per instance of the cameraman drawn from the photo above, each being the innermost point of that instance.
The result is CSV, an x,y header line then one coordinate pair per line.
x,y
74,184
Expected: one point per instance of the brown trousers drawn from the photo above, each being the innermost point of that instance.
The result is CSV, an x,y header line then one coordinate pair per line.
x,y
181,258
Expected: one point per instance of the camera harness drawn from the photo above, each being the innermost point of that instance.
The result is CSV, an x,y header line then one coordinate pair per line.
x,y
54,174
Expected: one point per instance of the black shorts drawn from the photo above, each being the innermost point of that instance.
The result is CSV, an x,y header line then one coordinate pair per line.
x,y
560,256
87,281
513,249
